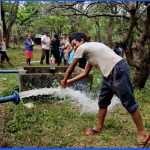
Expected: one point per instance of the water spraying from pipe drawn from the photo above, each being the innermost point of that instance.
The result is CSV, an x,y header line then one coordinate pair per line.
x,y
86,103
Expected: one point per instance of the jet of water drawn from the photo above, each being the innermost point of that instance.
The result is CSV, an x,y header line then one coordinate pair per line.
x,y
86,103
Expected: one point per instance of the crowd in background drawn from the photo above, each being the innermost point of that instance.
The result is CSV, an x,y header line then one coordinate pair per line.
x,y
60,47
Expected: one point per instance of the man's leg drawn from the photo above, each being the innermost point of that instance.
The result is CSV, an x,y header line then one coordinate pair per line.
x,y
47,57
10,64
43,56
105,97
29,61
101,117
142,134
7,59
123,89
2,59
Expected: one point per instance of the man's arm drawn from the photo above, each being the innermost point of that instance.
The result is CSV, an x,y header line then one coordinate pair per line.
x,y
65,81
69,72
87,70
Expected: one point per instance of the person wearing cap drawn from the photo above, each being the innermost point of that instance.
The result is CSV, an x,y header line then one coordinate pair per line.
x,y
45,40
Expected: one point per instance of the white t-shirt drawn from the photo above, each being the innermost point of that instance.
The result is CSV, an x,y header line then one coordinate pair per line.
x,y
45,39
3,47
98,55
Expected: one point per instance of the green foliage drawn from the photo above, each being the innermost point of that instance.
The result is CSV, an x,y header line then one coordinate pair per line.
x,y
10,85
55,83
6,6
57,24
26,12
29,85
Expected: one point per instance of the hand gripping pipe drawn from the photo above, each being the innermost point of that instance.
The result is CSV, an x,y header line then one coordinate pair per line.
x,y
14,98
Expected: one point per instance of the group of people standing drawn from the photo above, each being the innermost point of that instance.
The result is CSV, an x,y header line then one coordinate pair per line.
x,y
60,48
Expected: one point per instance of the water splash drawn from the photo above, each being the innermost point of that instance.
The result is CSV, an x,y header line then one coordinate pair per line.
x,y
86,103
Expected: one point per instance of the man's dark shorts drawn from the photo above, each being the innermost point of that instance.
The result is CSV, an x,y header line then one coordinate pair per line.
x,y
119,83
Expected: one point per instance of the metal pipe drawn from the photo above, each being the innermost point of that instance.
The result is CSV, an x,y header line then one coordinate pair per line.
x,y
13,71
14,98
9,71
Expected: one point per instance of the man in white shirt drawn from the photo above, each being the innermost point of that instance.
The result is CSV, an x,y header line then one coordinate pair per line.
x,y
45,40
116,80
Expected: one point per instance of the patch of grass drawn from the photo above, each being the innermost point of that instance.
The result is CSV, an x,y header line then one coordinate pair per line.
x,y
60,124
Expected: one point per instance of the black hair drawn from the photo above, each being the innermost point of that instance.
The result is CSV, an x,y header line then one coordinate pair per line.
x,y
79,37
70,39
46,32
64,34
56,36
29,34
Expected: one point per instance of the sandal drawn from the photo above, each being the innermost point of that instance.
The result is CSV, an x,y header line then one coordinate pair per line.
x,y
91,131
144,144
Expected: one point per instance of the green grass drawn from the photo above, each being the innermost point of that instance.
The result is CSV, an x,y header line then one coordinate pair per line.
x,y
61,124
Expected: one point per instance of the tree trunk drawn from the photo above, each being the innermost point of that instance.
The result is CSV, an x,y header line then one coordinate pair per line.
x,y
7,35
141,75
11,20
3,18
142,72
137,51
110,28
98,37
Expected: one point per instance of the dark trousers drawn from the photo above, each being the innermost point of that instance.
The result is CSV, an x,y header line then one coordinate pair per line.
x,y
56,54
63,57
119,83
45,52
4,56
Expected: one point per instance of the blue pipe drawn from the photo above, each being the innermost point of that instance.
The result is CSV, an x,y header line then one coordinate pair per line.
x,y
9,71
14,97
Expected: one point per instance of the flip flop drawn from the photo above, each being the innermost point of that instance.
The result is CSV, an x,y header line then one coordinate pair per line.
x,y
147,143
144,144
91,131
